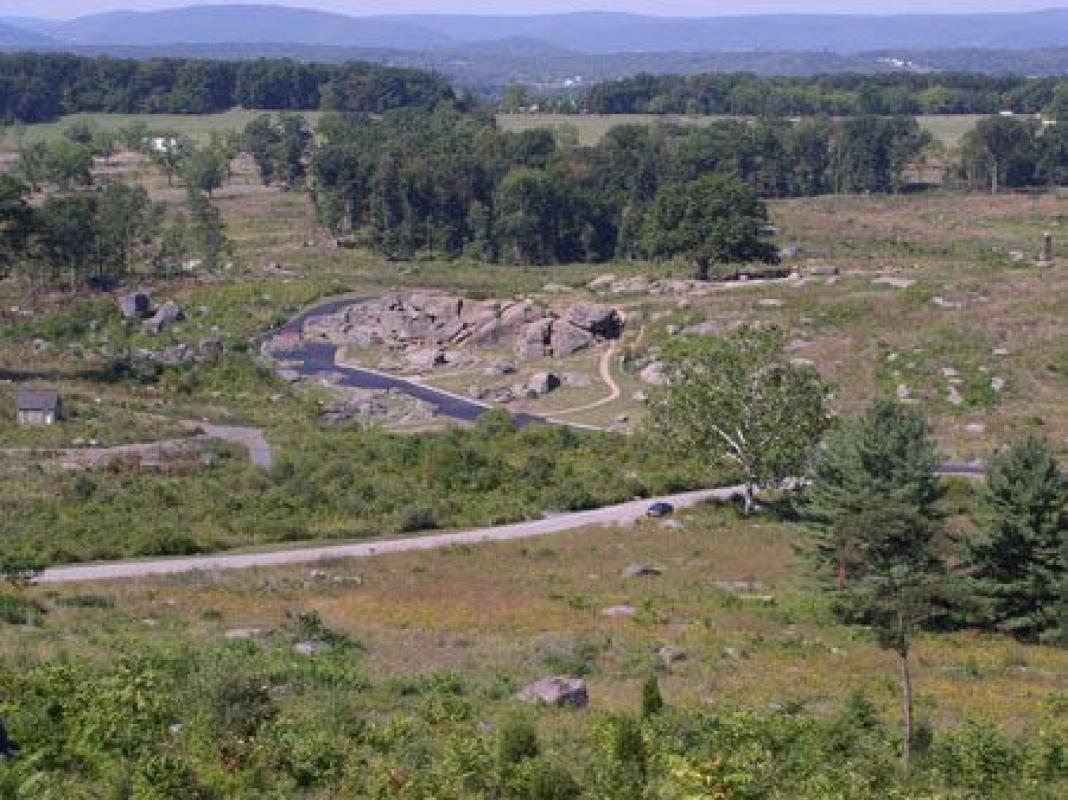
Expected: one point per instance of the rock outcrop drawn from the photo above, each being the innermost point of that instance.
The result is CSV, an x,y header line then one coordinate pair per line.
x,y
423,324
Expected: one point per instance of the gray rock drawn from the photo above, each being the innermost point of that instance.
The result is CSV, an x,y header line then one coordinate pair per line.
x,y
904,393
567,339
542,383
136,305
894,282
211,348
669,656
253,632
601,320
654,374
425,358
310,648
771,302
498,369
954,397
601,282
166,316
556,691
176,354
975,428
625,611
642,571
639,397
997,385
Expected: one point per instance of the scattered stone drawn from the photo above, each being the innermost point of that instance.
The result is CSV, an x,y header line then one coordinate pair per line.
x,y
498,369
975,428
941,302
426,358
1016,256
904,393
136,305
211,348
788,252
167,315
954,397
557,691
893,282
1001,351
310,648
673,330
176,355
747,586
254,632
733,653
997,385
601,282
640,397
654,374
642,571
555,288
949,372
624,611
672,524
669,656
771,302
821,270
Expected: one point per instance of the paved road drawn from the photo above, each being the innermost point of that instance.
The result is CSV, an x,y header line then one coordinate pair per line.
x,y
623,514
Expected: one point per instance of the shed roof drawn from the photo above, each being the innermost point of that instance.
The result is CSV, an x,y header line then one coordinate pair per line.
x,y
38,400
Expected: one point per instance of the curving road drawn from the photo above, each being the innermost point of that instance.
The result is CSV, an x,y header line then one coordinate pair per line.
x,y
623,514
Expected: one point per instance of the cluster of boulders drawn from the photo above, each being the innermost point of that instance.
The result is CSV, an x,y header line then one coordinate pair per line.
x,y
427,329
137,306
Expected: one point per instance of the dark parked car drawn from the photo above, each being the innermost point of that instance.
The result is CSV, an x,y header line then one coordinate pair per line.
x,y
660,510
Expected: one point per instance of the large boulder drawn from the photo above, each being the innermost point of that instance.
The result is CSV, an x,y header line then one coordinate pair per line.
x,y
566,339
557,691
600,320
542,383
167,315
534,339
136,305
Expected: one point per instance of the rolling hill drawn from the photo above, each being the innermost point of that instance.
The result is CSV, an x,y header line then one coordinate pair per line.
x,y
583,32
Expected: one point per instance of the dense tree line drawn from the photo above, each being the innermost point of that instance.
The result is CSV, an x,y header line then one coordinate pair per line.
x,y
36,87
1010,152
451,183
845,94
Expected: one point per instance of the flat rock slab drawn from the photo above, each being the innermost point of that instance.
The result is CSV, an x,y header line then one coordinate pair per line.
x,y
642,571
252,632
893,282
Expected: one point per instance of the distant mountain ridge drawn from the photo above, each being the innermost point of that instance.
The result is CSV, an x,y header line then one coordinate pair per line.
x,y
579,32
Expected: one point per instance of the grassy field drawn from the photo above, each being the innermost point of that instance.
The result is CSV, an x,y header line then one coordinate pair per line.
x,y
519,610
196,126
590,128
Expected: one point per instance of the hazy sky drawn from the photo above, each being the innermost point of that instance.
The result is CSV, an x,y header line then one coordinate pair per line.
x,y
70,8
